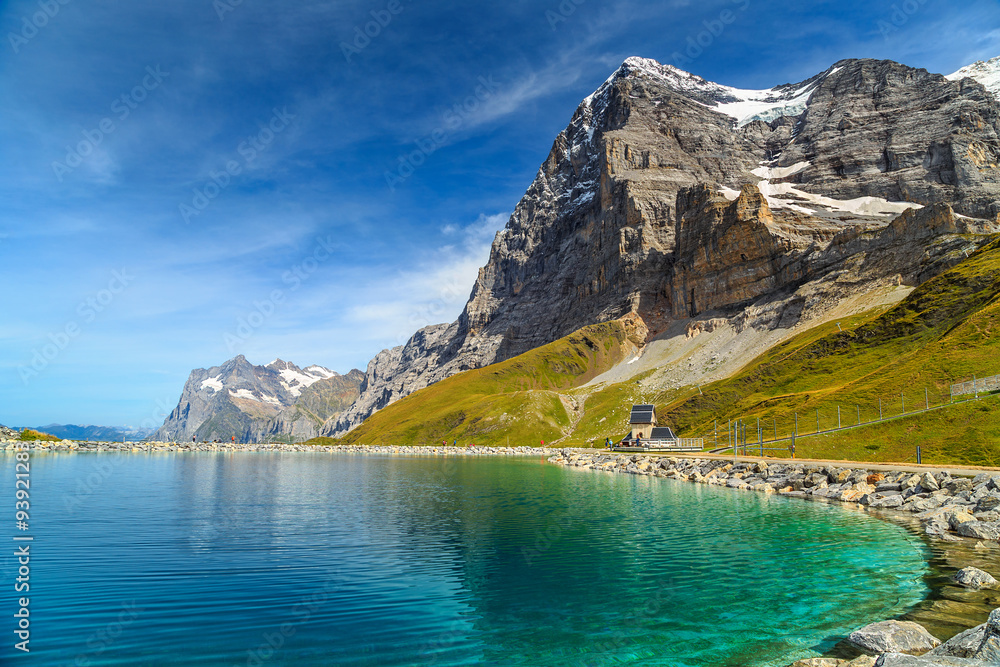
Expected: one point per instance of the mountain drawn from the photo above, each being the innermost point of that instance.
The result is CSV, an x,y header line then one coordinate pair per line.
x,y
698,208
258,403
89,432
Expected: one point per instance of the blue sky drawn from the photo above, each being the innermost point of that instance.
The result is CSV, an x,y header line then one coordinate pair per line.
x,y
185,181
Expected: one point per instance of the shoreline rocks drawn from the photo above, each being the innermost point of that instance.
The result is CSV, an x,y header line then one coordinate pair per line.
x,y
67,446
945,505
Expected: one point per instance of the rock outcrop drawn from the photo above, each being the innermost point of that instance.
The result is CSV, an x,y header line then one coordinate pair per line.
x,y
627,214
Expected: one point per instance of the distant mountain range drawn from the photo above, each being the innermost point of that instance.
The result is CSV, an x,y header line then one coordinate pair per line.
x,y
682,207
89,432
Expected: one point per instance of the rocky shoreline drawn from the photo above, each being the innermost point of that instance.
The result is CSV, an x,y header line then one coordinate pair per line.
x,y
948,508
68,446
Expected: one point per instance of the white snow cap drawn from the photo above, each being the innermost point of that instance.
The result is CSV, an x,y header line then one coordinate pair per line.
x,y
743,105
986,72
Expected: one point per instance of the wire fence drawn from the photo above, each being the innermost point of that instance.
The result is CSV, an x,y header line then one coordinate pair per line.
x,y
759,435
976,386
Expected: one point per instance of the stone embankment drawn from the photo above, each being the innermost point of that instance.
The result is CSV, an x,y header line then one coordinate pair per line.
x,y
945,505
948,508
71,446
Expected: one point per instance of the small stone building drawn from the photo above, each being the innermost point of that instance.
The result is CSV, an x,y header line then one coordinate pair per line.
x,y
643,424
642,421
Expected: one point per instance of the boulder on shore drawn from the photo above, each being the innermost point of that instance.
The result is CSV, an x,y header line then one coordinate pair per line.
x,y
894,637
973,577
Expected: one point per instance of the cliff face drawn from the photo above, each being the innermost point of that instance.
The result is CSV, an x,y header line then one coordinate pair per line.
x,y
629,212
258,403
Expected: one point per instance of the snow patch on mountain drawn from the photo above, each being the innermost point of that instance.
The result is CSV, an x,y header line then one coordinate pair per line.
x,y
986,72
212,383
295,379
786,195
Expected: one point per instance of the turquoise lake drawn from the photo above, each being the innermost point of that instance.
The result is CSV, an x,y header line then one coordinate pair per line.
x,y
334,559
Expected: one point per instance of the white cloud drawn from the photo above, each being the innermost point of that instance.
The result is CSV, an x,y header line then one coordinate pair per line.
x,y
431,291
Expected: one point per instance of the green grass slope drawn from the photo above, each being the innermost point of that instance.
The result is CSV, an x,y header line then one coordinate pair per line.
x,y
945,331
522,400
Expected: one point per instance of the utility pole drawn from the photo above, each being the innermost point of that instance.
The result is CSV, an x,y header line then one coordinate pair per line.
x,y
859,414
902,400
838,416
927,400
817,421
880,409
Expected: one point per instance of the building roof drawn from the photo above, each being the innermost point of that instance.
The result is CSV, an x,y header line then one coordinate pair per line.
x,y
642,414
662,433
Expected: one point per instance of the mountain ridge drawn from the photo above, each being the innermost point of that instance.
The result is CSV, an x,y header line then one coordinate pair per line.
x,y
592,238
819,171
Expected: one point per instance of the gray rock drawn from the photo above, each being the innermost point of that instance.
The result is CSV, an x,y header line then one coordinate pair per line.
x,y
903,660
889,502
894,637
987,503
957,485
928,482
989,650
973,577
964,644
980,530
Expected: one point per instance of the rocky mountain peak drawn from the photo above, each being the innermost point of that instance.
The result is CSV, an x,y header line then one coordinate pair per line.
x,y
668,194
986,72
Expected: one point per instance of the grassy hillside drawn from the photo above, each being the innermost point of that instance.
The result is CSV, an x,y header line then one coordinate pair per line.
x,y
523,400
944,332
32,434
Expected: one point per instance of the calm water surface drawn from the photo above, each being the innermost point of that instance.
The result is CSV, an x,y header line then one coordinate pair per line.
x,y
320,559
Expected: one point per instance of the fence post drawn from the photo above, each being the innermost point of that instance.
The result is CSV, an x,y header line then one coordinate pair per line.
x,y
880,409
927,400
817,421
918,454
838,416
